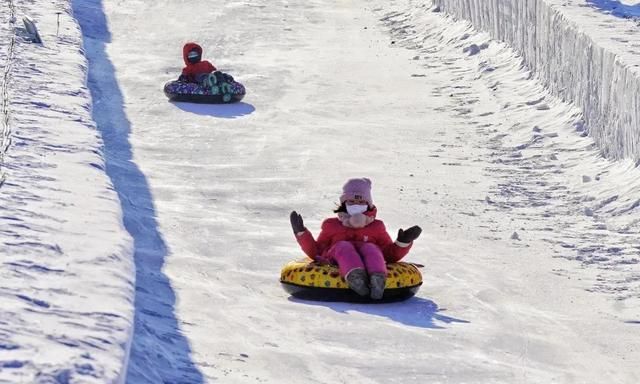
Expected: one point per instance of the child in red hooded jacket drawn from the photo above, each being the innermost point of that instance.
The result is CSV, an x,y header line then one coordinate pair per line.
x,y
196,67
356,241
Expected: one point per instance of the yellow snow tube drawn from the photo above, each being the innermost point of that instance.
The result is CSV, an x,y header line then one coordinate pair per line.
x,y
307,280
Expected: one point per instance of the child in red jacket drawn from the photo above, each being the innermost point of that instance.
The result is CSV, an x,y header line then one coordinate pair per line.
x,y
356,241
196,67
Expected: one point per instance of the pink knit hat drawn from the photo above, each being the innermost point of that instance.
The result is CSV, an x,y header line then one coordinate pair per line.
x,y
357,189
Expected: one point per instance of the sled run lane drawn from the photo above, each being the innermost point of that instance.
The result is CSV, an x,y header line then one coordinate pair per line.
x,y
455,136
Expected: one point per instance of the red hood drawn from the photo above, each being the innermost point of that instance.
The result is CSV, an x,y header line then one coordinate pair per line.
x,y
188,48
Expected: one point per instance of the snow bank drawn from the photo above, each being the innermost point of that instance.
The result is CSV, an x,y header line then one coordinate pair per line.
x,y
6,55
66,270
571,58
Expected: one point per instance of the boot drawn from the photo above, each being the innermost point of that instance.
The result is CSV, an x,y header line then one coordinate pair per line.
x,y
378,281
357,280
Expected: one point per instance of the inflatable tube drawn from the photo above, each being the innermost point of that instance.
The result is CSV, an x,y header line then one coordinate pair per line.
x,y
196,93
307,280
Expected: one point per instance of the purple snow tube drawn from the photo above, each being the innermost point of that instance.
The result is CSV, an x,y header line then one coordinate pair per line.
x,y
225,92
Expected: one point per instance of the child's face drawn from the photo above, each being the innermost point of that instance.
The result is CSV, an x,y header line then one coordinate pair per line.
x,y
356,202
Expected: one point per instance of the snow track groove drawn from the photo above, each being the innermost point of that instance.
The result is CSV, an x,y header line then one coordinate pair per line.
x,y
520,215
332,95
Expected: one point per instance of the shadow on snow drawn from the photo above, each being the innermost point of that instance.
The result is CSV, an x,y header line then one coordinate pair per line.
x,y
616,8
159,351
415,312
227,111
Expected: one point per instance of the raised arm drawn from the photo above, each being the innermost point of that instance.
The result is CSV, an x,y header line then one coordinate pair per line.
x,y
312,248
394,251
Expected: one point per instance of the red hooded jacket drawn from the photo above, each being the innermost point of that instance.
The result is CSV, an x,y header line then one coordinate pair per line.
x,y
192,70
334,231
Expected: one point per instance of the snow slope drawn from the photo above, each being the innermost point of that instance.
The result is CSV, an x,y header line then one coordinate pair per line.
x,y
530,236
525,225
586,57
66,273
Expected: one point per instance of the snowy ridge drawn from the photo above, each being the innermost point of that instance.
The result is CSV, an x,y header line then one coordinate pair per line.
x,y
5,138
66,270
571,59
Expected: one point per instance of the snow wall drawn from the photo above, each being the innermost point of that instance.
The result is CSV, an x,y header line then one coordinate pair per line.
x,y
6,56
569,62
67,275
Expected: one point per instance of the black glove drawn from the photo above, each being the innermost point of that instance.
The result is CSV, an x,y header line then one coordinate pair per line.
x,y
183,78
409,235
296,223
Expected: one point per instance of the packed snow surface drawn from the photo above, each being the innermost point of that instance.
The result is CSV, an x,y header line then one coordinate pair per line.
x,y
530,240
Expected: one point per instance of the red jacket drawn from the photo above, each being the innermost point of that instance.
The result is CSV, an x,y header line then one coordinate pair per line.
x,y
334,231
192,70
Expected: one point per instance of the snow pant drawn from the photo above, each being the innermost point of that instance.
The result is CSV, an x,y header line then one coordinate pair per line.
x,y
351,255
